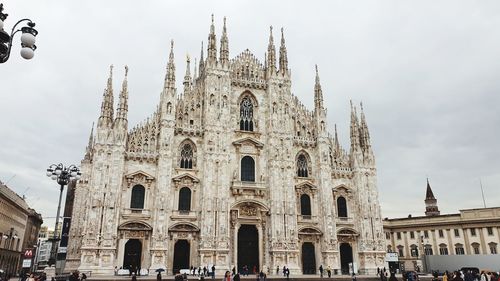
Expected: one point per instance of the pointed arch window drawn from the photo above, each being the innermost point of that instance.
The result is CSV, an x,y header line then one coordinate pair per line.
x,y
247,169
246,114
305,205
137,197
186,156
185,199
341,207
302,168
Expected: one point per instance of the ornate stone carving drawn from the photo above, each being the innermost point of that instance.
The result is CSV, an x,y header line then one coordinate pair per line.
x,y
139,177
248,210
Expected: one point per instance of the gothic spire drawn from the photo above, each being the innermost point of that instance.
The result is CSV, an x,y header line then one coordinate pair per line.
x,y
202,60
283,63
428,193
336,142
318,93
224,45
212,45
431,207
170,76
195,73
271,52
364,133
90,145
354,128
106,117
187,77
123,100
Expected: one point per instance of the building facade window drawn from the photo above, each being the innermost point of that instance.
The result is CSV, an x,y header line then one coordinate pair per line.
x,y
475,248
341,207
412,235
414,250
186,161
247,169
305,205
398,235
387,235
459,249
302,169
441,234
428,250
472,232
490,231
246,114
185,199
443,250
426,234
401,251
457,233
137,197
493,248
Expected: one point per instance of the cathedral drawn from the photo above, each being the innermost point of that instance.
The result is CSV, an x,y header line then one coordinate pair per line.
x,y
232,170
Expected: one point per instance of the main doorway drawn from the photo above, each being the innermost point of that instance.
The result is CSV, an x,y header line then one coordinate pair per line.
x,y
308,258
345,257
132,257
181,256
248,248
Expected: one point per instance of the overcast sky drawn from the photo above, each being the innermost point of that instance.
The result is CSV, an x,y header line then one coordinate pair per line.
x,y
428,73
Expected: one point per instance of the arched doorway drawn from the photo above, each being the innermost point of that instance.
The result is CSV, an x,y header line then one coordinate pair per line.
x,y
132,256
248,248
345,257
308,258
181,255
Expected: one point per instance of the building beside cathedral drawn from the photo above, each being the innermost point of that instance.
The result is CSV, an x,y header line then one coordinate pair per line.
x,y
234,170
445,242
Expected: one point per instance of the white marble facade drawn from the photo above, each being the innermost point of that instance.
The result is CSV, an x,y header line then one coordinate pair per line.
x,y
306,196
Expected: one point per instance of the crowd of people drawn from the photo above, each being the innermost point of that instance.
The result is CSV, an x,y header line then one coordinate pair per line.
x,y
470,275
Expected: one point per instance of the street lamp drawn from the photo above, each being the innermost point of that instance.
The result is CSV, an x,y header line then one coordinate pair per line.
x,y
27,38
63,175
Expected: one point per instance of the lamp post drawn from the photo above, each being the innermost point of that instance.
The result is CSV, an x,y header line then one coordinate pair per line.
x,y
63,175
424,260
27,38
11,236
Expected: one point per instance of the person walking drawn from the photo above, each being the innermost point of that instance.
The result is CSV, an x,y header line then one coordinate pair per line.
x,y
284,271
321,271
484,277
158,276
134,278
227,276
393,276
278,270
329,271
287,273
213,271
237,277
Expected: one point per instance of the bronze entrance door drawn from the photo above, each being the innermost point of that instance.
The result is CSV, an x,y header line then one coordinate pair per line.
x,y
132,257
308,258
345,257
248,248
181,256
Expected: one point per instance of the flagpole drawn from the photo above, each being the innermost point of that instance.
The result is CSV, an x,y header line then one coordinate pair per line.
x,y
482,192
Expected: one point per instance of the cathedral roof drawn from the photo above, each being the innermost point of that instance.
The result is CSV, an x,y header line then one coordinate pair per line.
x,y
248,71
